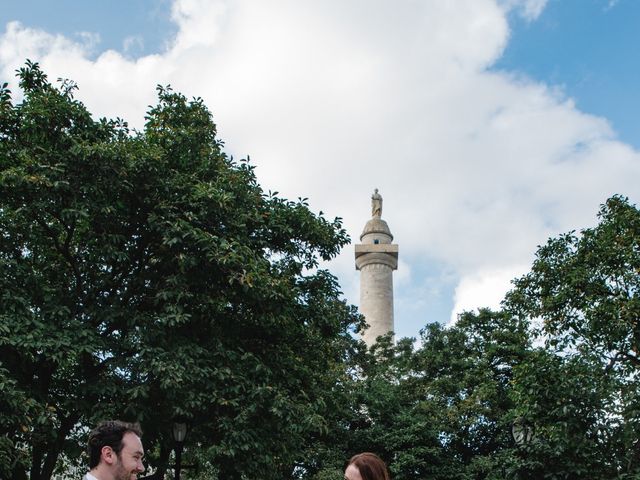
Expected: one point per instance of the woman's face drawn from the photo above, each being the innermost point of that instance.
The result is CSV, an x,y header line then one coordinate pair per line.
x,y
352,473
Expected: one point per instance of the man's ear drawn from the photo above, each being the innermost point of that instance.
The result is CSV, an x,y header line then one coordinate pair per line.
x,y
108,455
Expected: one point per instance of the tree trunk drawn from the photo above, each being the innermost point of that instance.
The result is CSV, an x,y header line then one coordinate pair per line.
x,y
56,447
37,456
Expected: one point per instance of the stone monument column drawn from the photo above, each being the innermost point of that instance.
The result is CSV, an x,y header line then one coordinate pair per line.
x,y
376,259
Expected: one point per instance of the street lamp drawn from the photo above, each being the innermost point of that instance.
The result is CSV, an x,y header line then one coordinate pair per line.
x,y
179,432
522,431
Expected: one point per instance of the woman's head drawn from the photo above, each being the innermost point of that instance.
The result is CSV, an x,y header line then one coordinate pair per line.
x,y
366,466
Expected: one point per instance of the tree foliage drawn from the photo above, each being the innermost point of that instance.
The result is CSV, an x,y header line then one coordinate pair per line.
x,y
560,357
585,287
146,275
440,409
583,390
574,408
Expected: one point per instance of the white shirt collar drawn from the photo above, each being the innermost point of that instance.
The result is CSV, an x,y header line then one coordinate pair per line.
x,y
88,476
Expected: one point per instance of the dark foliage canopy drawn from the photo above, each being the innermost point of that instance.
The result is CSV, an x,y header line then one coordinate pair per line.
x,y
147,276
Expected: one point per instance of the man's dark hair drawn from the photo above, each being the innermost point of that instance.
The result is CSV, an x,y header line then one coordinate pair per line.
x,y
108,434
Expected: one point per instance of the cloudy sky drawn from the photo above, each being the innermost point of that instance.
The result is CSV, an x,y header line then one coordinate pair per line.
x,y
487,125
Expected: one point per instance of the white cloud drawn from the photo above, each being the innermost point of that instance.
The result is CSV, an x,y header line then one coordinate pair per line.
x,y
334,98
484,288
611,4
528,9
133,43
19,43
198,23
89,40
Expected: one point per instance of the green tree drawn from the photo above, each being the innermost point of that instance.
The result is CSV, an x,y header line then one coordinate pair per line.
x,y
440,409
583,391
443,409
146,275
585,287
575,409
467,370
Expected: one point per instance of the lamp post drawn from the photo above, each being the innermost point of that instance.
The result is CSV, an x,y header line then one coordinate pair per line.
x,y
179,432
522,431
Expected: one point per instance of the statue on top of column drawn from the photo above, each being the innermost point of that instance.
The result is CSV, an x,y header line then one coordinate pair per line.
x,y
376,204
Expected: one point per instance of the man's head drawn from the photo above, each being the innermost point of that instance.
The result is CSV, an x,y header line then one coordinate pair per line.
x,y
115,450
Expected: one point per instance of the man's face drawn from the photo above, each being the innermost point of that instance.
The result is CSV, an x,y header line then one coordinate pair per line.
x,y
129,463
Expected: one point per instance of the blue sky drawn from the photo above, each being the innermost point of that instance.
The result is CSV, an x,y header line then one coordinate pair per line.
x,y
487,125
588,48
114,20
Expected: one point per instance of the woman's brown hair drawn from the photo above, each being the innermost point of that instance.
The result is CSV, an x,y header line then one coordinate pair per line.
x,y
370,466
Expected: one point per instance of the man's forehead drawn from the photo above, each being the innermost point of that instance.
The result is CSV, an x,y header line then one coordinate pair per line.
x,y
132,442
